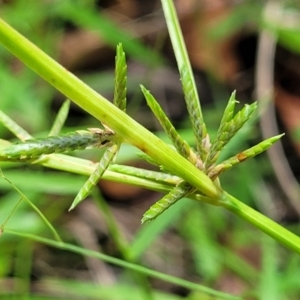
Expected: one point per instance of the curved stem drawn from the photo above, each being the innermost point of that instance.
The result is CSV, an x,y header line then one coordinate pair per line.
x,y
124,264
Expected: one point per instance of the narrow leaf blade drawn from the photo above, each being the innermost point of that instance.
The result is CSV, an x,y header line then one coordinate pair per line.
x,y
60,118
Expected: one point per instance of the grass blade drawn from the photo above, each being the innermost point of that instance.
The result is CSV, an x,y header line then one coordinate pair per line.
x,y
35,208
121,263
13,127
60,118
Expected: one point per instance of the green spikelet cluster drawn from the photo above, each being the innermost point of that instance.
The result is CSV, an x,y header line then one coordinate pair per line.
x,y
181,145
229,126
244,155
110,154
120,79
168,200
194,110
107,158
79,140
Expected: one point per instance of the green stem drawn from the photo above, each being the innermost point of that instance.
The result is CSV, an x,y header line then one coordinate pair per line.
x,y
279,233
95,104
85,167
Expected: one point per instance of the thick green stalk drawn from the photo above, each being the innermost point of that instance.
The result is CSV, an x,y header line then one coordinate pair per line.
x,y
95,104
279,233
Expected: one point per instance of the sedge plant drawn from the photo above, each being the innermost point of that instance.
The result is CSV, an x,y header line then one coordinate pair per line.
x,y
196,171
185,172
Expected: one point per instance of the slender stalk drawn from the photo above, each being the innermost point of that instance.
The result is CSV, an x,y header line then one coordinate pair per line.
x,y
124,264
95,104
60,118
84,167
34,207
15,128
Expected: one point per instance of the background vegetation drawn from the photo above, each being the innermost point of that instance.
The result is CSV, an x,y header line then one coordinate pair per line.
x,y
197,242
